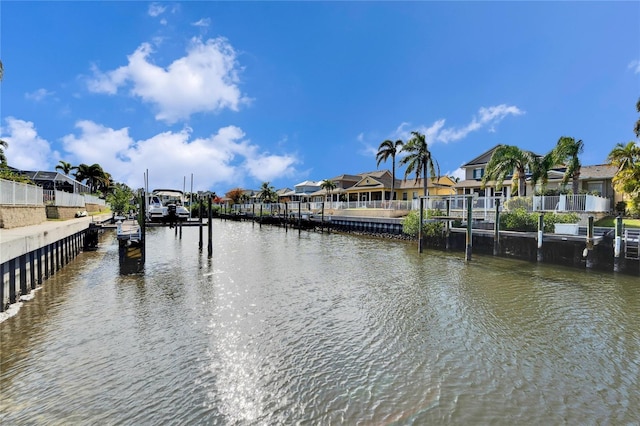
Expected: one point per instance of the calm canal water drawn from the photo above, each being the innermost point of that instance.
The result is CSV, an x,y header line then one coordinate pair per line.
x,y
287,328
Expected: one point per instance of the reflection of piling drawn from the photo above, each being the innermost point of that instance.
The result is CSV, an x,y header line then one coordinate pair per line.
x,y
539,255
617,246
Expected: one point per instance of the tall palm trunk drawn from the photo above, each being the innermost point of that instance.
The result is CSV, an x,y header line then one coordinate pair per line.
x,y
393,178
576,182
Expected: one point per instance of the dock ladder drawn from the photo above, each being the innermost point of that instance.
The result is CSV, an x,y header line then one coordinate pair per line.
x,y
631,244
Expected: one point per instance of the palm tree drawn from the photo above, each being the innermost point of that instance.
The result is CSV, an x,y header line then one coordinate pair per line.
x,y
93,175
636,129
509,160
65,167
541,168
1,71
419,159
388,149
627,159
566,151
267,193
328,185
3,157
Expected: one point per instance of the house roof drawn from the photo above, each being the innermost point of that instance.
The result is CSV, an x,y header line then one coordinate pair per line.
x,y
308,183
599,171
485,157
377,179
443,181
56,177
482,158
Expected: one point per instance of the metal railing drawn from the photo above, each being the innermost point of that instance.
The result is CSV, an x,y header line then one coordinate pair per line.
x,y
20,194
482,206
571,203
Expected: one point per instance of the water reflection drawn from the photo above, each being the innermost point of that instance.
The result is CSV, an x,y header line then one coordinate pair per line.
x,y
287,327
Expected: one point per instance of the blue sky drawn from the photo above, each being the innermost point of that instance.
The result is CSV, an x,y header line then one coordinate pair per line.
x,y
239,93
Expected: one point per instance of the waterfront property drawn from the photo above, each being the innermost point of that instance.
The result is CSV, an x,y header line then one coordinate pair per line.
x,y
595,180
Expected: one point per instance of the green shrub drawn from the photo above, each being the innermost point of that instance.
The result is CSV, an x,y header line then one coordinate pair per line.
x,y
433,229
551,218
411,222
516,203
519,219
435,213
523,221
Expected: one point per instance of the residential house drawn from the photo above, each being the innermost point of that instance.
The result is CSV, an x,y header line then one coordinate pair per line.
x,y
474,171
55,181
595,179
376,186
342,182
410,189
302,191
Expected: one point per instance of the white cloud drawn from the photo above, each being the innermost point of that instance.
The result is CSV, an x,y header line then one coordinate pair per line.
x,y
222,158
457,173
205,80
26,150
156,9
266,168
204,22
487,117
635,66
98,144
38,95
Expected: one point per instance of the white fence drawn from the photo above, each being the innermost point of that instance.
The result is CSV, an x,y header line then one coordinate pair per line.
x,y
92,199
482,206
20,194
571,203
66,199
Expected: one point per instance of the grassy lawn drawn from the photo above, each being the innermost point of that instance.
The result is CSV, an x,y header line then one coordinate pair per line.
x,y
610,222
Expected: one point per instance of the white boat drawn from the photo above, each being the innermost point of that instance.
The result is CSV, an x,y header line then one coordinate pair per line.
x,y
165,204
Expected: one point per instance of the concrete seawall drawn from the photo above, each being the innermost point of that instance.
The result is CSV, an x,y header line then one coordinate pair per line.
x,y
30,254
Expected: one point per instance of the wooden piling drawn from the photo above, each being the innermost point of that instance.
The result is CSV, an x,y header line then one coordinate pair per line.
x,y
539,255
200,226
209,231
421,218
447,234
469,242
496,230
591,261
617,246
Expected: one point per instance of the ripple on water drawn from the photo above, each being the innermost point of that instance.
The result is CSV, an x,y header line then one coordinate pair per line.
x,y
282,328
